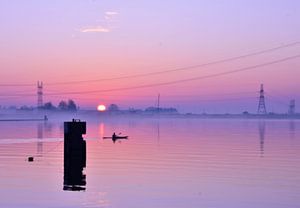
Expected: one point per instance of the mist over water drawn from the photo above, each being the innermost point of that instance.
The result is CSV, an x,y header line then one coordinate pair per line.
x,y
164,163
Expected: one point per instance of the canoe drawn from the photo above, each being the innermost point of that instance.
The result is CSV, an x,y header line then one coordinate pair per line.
x,y
116,137
120,137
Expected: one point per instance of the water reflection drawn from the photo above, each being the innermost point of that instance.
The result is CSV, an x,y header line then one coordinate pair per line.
x,y
292,128
101,130
211,159
44,130
115,138
74,178
158,132
74,156
40,135
262,132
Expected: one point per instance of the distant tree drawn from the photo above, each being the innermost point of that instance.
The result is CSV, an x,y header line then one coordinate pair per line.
x,y
25,107
63,105
48,106
151,109
161,110
113,107
12,107
71,105
245,113
133,110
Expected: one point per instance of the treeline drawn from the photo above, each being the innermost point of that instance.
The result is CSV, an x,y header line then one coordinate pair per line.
x,y
69,105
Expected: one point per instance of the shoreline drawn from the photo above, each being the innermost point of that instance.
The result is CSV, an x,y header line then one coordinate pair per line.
x,y
22,116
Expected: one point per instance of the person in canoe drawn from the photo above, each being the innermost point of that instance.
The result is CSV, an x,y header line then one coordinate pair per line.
x,y
114,136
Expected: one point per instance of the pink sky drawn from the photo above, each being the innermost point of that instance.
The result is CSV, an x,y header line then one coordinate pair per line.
x,y
62,41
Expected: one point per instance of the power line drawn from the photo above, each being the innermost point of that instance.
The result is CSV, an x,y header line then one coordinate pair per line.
x,y
181,68
165,71
17,95
183,80
211,94
223,99
164,83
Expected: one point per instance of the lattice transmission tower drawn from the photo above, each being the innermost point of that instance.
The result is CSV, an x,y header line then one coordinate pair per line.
x,y
39,94
261,103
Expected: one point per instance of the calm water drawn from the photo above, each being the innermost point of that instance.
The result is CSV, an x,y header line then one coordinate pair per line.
x,y
164,163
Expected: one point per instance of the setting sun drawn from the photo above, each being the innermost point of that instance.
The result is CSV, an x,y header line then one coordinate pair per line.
x,y
101,108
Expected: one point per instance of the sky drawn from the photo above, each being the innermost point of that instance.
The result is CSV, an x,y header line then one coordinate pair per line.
x,y
92,51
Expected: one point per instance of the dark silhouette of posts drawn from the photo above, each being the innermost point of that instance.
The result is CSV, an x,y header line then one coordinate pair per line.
x,y
74,155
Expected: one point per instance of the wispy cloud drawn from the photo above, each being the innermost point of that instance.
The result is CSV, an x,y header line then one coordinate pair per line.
x,y
95,29
111,13
109,19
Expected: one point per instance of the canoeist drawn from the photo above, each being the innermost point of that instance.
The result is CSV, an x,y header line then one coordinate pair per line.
x,y
114,135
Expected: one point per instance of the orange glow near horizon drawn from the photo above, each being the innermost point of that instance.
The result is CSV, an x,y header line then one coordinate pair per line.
x,y
101,108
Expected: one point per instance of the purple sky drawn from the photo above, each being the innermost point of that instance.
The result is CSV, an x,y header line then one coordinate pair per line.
x,y
71,40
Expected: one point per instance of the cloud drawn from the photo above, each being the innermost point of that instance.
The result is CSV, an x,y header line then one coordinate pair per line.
x,y
111,13
109,21
95,29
